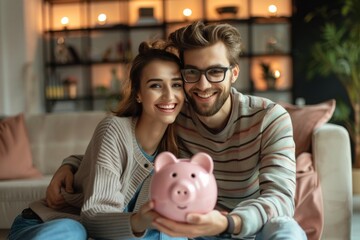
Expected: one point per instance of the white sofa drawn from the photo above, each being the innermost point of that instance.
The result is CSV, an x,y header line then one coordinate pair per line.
x,y
55,136
332,156
52,138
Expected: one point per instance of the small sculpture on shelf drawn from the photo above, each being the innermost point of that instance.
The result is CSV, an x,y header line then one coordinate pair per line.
x,y
272,45
115,83
269,75
62,54
65,53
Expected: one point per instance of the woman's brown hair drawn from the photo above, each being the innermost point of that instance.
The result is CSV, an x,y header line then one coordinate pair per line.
x,y
128,106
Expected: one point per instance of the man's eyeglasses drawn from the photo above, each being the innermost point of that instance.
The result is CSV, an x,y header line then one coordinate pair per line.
x,y
212,74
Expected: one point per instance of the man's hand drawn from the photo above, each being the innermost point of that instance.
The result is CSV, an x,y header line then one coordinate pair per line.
x,y
210,224
141,220
63,177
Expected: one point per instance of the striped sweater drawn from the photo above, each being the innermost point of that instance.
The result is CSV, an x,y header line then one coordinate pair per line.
x,y
111,171
254,160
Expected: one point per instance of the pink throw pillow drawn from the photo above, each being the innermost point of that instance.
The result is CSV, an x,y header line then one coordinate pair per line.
x,y
307,118
309,209
15,153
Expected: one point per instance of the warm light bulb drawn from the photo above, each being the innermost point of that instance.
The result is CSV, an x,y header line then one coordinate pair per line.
x,y
64,21
187,12
272,9
102,18
277,74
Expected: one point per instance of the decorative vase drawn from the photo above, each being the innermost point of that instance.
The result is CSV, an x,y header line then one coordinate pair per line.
x,y
115,84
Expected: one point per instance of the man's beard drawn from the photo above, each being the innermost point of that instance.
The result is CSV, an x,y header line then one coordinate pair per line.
x,y
207,112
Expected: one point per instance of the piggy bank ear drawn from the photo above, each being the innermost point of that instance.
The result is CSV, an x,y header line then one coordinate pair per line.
x,y
204,160
164,159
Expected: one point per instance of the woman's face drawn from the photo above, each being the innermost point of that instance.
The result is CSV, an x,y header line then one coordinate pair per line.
x,y
161,92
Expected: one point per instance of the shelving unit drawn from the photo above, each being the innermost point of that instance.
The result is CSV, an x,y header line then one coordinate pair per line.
x,y
83,54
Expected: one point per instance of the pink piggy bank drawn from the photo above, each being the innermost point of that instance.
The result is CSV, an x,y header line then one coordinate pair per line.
x,y
182,186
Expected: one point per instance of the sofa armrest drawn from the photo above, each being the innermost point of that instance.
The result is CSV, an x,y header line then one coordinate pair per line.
x,y
332,157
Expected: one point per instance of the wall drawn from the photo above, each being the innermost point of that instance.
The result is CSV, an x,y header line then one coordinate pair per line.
x,y
20,57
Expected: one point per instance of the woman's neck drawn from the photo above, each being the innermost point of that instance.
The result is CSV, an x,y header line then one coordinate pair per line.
x,y
149,134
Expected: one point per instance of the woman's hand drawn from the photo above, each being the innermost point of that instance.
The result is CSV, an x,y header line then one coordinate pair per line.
x,y
63,177
142,220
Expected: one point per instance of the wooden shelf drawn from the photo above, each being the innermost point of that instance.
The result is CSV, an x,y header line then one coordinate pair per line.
x,y
96,42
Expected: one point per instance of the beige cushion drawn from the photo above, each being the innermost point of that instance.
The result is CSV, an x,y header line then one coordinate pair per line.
x,y
15,155
56,136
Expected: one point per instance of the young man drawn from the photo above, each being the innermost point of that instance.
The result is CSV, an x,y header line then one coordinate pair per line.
x,y
249,138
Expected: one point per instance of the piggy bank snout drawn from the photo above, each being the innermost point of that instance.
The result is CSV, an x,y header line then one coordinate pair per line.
x,y
182,192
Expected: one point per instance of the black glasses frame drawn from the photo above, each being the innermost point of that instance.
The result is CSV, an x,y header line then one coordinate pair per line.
x,y
205,72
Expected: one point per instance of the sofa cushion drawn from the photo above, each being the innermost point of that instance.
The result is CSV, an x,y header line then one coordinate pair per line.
x,y
56,136
309,209
15,153
307,118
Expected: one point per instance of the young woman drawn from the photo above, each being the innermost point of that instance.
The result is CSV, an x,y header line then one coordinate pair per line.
x,y
112,182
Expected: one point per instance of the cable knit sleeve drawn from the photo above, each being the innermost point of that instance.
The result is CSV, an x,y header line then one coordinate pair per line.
x,y
73,160
101,174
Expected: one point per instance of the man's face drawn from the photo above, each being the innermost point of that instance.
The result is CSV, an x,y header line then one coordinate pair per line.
x,y
207,98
